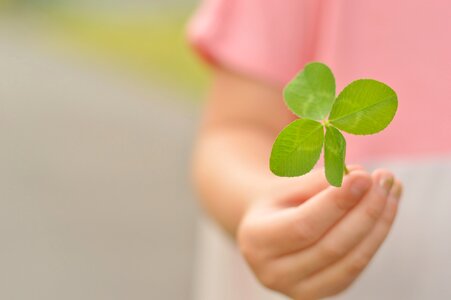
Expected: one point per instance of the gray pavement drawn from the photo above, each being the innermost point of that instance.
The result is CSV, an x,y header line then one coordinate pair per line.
x,y
94,201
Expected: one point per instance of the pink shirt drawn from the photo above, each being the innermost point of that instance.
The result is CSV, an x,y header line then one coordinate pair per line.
x,y
406,44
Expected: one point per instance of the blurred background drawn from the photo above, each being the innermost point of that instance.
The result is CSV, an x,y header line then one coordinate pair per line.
x,y
98,108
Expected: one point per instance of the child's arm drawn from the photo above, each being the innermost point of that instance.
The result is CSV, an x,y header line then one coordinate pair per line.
x,y
241,120
300,237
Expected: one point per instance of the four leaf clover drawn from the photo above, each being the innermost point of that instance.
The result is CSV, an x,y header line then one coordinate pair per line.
x,y
364,107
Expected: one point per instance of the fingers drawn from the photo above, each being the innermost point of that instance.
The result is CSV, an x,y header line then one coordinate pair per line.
x,y
341,274
356,226
298,227
345,235
318,248
294,191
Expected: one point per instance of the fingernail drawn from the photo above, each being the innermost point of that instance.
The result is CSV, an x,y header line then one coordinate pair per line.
x,y
395,193
385,183
360,186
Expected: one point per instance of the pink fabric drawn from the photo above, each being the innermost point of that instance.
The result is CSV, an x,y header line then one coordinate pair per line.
x,y
406,44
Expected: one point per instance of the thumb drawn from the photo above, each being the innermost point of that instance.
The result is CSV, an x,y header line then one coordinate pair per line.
x,y
294,191
295,228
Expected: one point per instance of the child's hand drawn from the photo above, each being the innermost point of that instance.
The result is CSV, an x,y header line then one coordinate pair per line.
x,y
310,241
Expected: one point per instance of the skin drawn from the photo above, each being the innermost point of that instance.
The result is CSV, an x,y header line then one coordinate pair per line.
x,y
300,236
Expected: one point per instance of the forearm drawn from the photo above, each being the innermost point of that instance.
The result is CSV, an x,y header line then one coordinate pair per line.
x,y
230,170
230,166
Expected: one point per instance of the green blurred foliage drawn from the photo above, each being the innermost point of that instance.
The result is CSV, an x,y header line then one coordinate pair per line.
x,y
5,4
14,4
144,39
152,43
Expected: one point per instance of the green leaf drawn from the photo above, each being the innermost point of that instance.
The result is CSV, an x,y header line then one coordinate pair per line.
x,y
334,156
297,148
312,92
365,106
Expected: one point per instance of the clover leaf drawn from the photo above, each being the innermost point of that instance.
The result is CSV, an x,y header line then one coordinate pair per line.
x,y
297,148
365,106
334,155
312,92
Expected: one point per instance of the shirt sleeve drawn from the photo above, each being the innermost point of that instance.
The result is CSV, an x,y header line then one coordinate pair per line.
x,y
269,40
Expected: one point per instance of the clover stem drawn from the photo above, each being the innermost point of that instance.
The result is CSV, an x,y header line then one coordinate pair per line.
x,y
346,170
